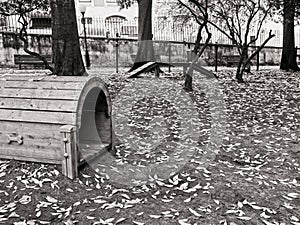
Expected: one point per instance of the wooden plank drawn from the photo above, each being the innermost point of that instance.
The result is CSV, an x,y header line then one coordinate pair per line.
x,y
38,104
39,93
29,141
43,137
38,116
31,159
23,73
27,56
33,129
41,84
41,142
80,81
37,155
39,77
21,59
141,68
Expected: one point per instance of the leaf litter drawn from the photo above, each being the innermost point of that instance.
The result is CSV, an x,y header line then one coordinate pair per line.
x,y
254,178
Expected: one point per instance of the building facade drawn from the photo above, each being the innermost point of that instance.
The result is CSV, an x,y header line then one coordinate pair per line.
x,y
106,9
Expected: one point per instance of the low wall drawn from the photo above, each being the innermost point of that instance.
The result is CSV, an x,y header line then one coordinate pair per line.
x,y
103,52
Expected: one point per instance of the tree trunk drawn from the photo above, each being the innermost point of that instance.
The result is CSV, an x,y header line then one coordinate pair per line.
x,y
197,43
145,51
65,40
289,57
188,81
188,84
240,71
245,59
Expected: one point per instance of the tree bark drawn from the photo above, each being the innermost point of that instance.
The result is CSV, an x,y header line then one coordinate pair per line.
x,y
145,51
239,71
288,56
65,39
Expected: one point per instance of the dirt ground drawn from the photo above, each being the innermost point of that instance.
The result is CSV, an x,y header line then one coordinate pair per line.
x,y
242,169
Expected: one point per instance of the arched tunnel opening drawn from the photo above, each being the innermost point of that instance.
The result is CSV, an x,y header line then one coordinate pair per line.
x,y
95,132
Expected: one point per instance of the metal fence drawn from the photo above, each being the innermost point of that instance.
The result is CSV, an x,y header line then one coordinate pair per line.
x,y
162,30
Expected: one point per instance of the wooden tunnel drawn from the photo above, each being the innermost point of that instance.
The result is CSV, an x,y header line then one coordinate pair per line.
x,y
51,119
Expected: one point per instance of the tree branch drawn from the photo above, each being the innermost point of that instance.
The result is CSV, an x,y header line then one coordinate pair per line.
x,y
23,37
258,50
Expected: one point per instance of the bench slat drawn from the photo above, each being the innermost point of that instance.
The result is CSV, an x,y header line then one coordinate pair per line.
x,y
30,60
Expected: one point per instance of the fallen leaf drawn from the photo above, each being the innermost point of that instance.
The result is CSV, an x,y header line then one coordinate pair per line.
x,y
51,199
155,216
25,199
244,218
183,222
138,223
195,213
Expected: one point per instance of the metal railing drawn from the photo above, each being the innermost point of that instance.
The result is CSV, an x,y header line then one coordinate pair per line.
x,y
162,30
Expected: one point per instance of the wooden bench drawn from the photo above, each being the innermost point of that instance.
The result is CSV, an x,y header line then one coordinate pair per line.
x,y
231,59
30,60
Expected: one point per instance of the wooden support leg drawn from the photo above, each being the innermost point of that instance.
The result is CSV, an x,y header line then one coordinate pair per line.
x,y
156,71
184,70
69,151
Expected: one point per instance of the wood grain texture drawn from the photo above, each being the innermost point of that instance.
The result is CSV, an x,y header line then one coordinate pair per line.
x,y
54,105
39,93
31,84
37,116
36,107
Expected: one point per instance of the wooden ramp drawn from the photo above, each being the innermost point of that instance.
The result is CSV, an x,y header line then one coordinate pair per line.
x,y
147,67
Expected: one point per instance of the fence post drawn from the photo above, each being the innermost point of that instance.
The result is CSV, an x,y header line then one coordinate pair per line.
x,y
117,53
169,51
257,62
216,57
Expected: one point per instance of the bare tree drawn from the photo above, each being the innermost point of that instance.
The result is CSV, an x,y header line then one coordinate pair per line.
x,y
21,8
237,19
199,11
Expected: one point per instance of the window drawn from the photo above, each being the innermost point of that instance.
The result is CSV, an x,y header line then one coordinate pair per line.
x,y
40,22
100,3
129,30
113,24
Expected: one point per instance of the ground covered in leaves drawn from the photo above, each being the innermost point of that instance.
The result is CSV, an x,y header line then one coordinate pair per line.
x,y
252,178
